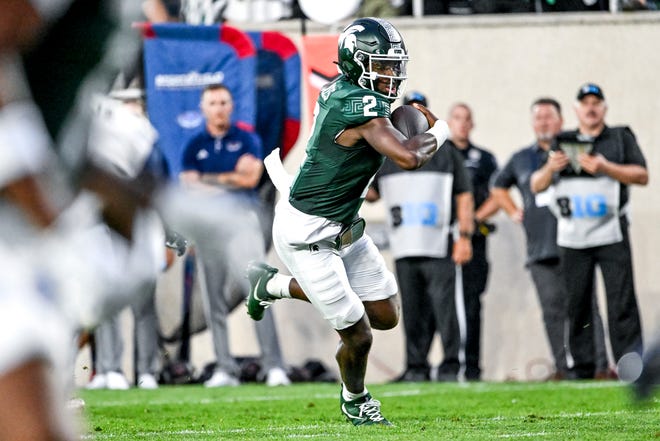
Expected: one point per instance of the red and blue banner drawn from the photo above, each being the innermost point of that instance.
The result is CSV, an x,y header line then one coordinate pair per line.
x,y
319,56
278,91
179,61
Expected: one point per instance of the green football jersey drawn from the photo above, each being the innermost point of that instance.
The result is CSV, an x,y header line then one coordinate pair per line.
x,y
333,180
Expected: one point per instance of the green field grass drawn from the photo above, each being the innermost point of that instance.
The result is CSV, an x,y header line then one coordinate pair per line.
x,y
420,411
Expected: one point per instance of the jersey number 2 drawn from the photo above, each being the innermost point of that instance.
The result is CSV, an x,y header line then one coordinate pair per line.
x,y
369,102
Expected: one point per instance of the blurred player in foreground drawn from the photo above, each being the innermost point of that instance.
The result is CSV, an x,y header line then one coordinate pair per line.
x,y
57,275
37,333
317,231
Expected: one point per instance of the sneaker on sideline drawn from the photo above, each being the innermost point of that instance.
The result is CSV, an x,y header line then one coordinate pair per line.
x,y
363,411
277,377
99,381
147,381
116,381
258,299
221,379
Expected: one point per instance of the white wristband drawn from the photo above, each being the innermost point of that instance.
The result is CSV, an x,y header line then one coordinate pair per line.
x,y
440,130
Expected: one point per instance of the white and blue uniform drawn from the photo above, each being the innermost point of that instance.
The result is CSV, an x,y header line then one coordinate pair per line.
x,y
421,210
543,259
32,321
592,229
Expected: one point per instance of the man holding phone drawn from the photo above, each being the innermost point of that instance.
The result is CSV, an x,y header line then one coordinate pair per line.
x,y
590,170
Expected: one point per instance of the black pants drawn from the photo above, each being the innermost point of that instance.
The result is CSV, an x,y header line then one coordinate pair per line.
x,y
548,280
427,302
615,262
475,278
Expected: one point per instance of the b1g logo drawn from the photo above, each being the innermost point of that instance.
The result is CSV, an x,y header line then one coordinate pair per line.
x,y
583,206
414,214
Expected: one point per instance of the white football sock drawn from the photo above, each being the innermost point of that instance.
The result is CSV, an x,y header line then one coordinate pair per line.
x,y
278,286
350,396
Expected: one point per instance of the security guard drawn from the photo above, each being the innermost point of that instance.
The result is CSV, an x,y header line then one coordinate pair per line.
x,y
481,165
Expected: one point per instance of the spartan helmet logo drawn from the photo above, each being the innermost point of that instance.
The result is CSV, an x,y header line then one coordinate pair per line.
x,y
347,39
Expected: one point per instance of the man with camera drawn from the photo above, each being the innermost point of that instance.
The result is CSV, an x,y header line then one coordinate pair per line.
x,y
590,170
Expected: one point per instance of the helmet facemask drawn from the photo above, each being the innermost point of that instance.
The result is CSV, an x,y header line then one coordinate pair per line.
x,y
385,74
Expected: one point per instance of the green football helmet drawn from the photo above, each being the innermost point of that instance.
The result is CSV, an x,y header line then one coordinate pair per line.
x,y
373,56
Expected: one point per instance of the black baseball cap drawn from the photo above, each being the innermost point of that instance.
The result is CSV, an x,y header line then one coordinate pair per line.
x,y
590,89
414,97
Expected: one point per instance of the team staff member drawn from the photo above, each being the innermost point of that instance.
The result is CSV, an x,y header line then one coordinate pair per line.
x,y
481,165
317,230
541,232
591,169
225,162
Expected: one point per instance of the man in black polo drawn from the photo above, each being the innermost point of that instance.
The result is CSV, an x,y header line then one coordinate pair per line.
x,y
590,169
480,165
541,233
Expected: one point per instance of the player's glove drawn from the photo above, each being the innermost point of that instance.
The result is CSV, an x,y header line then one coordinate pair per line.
x,y
176,242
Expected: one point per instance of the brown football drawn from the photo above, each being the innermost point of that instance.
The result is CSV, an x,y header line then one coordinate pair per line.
x,y
409,121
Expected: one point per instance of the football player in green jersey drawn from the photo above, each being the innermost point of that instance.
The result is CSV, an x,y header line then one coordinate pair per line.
x,y
317,231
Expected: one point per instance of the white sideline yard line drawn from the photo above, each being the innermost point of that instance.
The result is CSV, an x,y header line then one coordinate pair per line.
x,y
477,387
152,434
511,387
579,414
564,415
525,435
99,435
233,399
229,399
